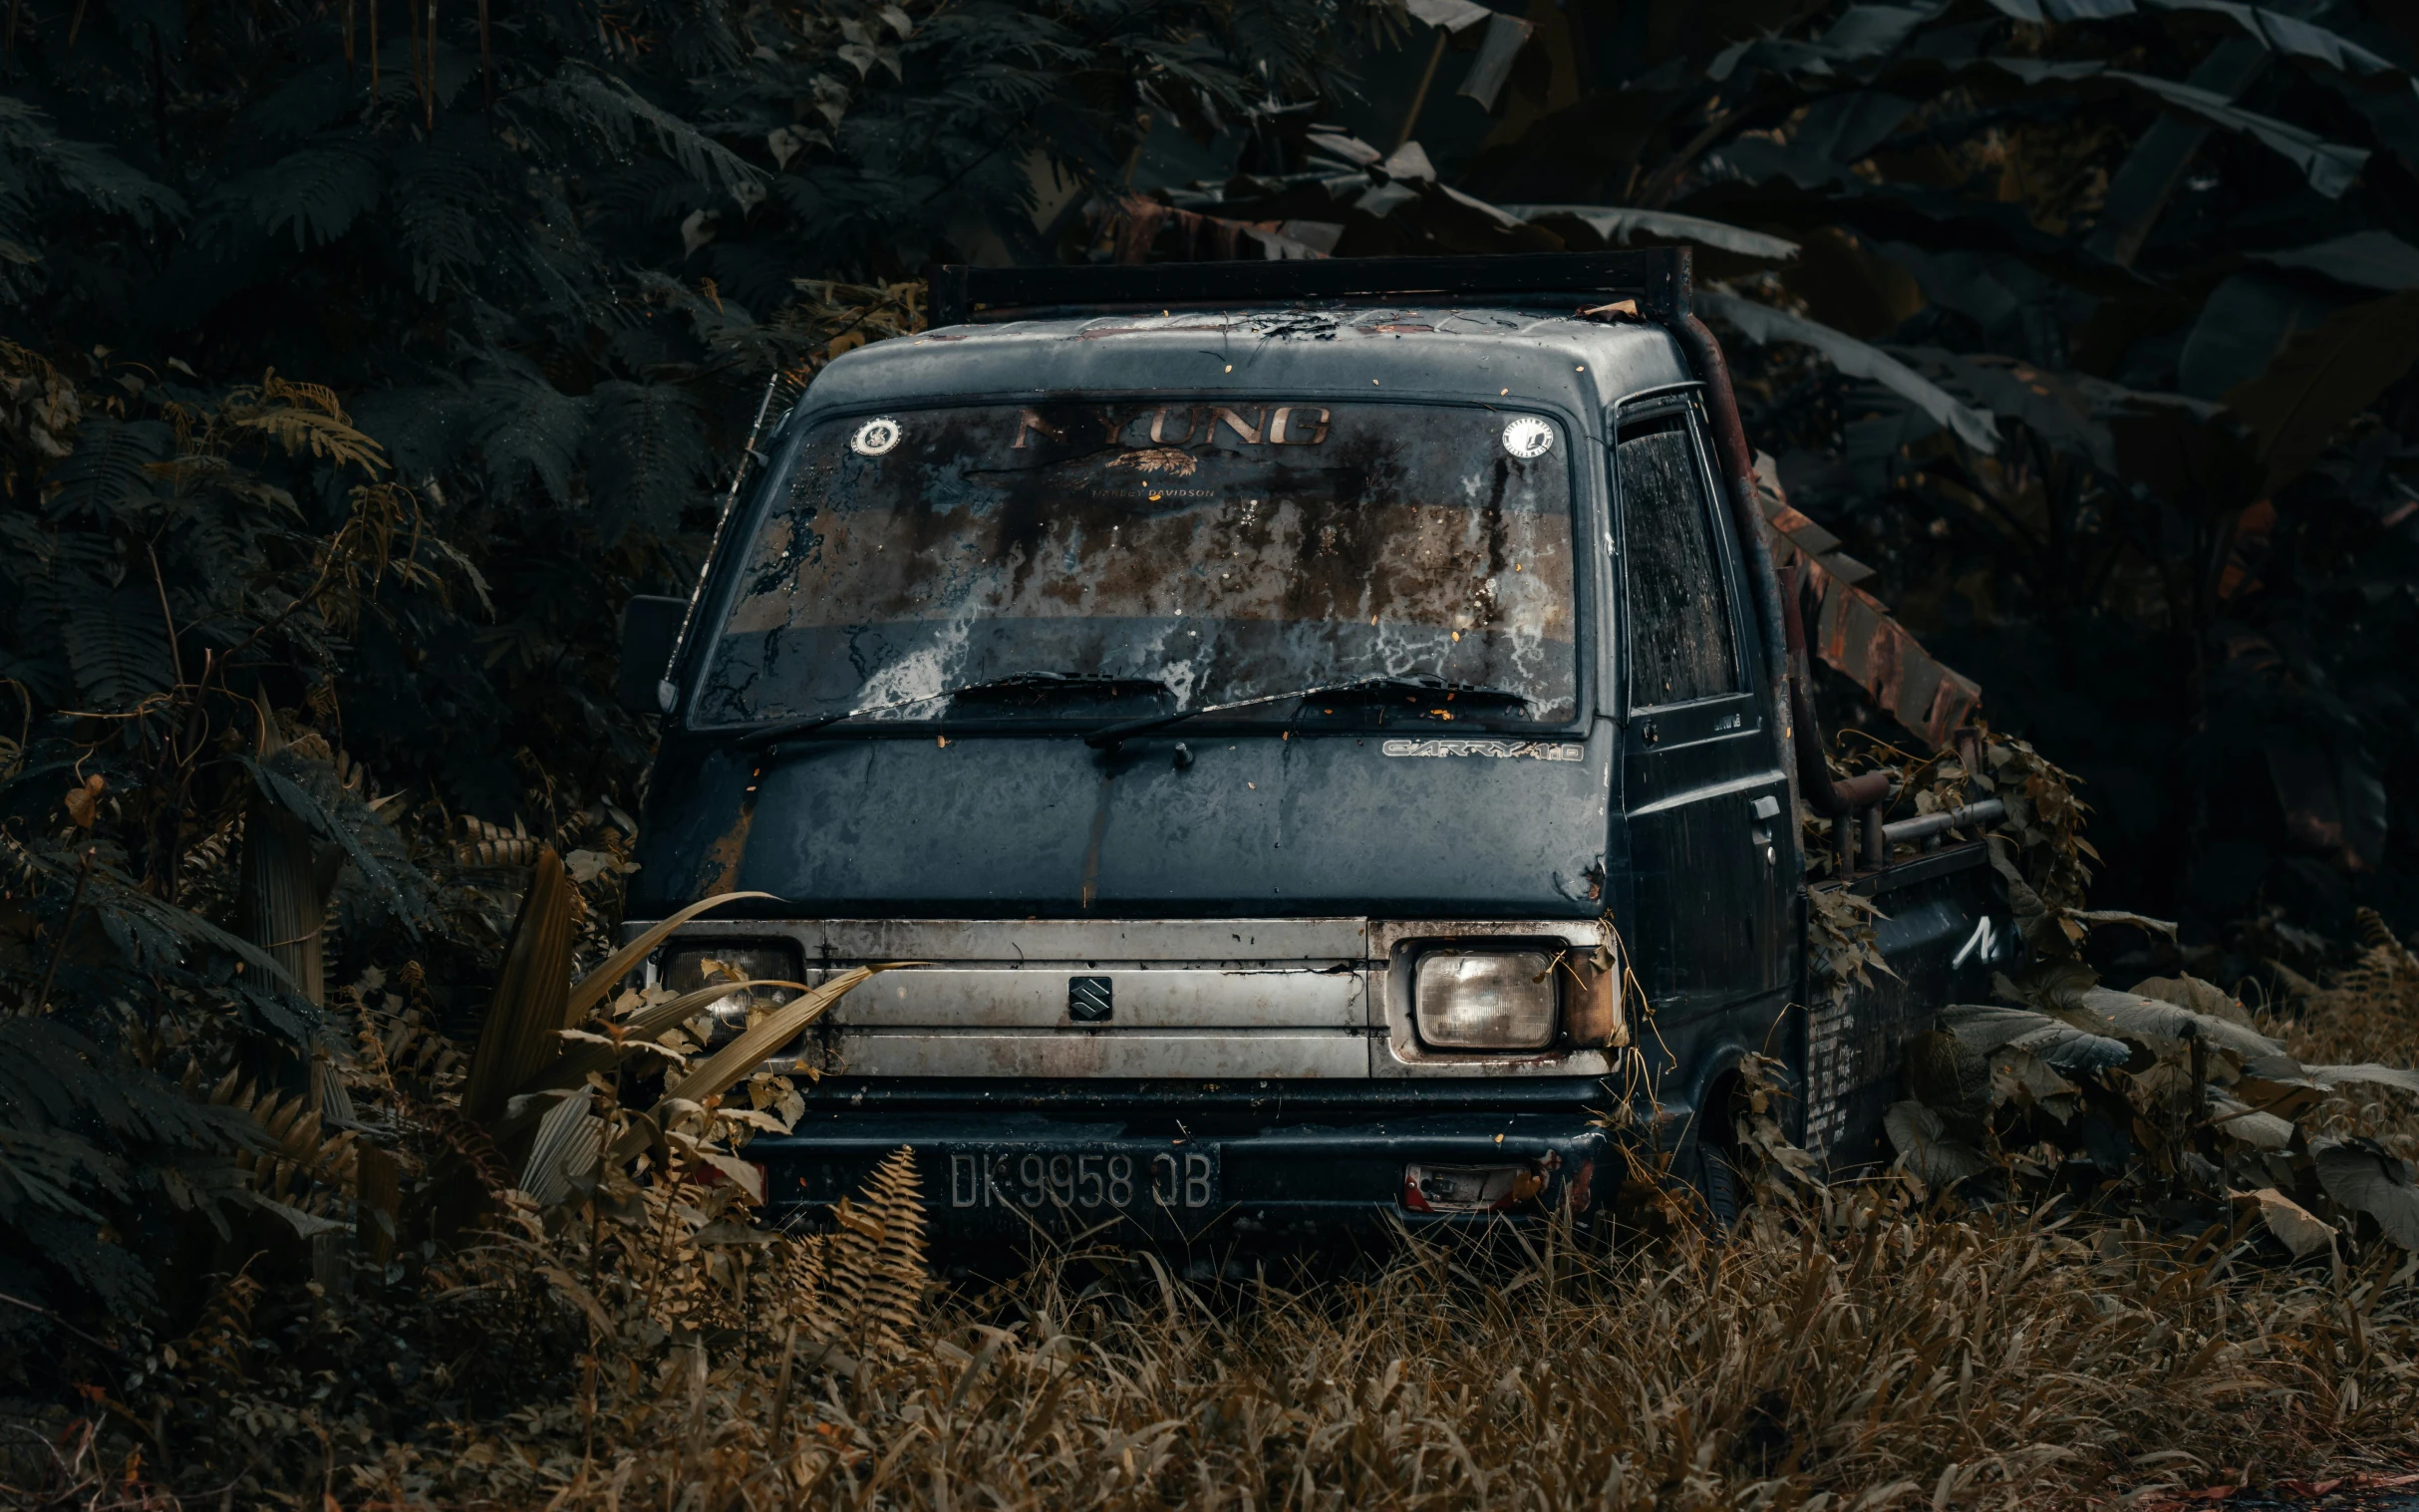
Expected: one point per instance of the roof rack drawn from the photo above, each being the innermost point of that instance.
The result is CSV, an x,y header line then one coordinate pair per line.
x,y
1657,277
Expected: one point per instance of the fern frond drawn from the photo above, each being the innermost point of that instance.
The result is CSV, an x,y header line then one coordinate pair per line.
x,y
319,191
608,109
45,1168
215,1350
110,474
118,646
299,430
647,456
84,169
874,1265
529,426
297,1161
313,396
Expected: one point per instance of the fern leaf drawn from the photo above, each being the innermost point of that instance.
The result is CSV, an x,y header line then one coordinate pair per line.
x,y
150,935
647,456
84,169
319,191
873,1262
118,646
110,473
44,1169
442,240
300,431
605,108
530,428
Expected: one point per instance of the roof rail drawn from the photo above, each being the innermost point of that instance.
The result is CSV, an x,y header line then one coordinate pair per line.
x,y
1657,277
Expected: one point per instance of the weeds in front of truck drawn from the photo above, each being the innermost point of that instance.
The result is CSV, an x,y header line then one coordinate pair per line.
x,y
635,1334
638,1343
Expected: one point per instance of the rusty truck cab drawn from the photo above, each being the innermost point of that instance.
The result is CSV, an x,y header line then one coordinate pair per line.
x,y
1302,722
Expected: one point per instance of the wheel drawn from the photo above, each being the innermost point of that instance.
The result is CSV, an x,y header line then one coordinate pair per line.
x,y
1718,1183
1717,1179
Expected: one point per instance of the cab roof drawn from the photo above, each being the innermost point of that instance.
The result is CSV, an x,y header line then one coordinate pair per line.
x,y
1408,351
1577,330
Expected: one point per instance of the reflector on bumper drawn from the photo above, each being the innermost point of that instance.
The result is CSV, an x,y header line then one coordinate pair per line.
x,y
1469,1188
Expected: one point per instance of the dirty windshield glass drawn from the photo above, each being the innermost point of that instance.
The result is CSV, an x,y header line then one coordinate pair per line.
x,y
1221,549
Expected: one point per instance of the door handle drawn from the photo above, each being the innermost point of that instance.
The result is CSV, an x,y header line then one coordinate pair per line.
x,y
1766,809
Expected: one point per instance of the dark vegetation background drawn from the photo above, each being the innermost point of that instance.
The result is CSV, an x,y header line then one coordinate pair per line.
x,y
360,361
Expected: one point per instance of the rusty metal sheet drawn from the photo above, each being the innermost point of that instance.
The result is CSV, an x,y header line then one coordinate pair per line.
x,y
1852,631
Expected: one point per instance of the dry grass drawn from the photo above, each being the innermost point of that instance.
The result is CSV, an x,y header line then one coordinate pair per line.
x,y
643,1348
2371,1013
1852,1355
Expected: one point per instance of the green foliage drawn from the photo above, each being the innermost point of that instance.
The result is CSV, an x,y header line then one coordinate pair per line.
x,y
550,260
543,267
2089,331
2088,327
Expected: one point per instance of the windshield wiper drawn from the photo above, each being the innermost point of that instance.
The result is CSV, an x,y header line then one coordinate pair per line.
x,y
1019,684
1051,685
1413,686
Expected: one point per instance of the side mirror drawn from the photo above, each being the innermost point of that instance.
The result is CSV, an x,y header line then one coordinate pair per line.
x,y
649,627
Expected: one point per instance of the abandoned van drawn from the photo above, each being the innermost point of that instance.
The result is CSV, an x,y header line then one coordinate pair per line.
x,y
1319,734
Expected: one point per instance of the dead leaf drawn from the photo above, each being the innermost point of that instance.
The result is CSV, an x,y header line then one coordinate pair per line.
x,y
2301,1230
1926,1149
747,1175
2199,995
84,803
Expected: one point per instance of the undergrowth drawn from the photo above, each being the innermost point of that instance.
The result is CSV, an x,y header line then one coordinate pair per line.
x,y
645,1344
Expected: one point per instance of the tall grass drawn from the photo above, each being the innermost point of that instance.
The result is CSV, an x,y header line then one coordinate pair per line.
x,y
645,1345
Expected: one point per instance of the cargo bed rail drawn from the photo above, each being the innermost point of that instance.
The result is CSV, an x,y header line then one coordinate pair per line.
x,y
1656,277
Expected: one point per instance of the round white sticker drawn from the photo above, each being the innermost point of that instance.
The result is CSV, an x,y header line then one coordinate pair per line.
x,y
1528,436
877,436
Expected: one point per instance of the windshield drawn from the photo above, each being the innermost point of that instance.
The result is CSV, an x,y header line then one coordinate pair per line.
x,y
1222,551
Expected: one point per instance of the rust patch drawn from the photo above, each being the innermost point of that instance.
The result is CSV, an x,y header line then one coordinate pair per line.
x,y
1854,630
1092,847
729,852
1173,460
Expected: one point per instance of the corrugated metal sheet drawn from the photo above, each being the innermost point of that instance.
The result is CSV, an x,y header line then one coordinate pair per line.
x,y
1853,630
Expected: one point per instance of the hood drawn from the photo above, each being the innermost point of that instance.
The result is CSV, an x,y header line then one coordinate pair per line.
x,y
1259,825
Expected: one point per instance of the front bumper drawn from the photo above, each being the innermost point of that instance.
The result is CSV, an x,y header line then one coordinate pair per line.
x,y
1275,1178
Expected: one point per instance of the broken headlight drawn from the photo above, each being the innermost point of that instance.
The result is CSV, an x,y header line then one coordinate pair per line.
x,y
687,968
1490,999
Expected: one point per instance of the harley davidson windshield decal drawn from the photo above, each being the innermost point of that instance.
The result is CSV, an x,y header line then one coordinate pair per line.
x,y
1534,751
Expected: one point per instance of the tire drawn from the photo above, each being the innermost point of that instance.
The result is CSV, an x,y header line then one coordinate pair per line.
x,y
1718,1178
1717,1183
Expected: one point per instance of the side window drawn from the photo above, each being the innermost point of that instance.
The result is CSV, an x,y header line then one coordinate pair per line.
x,y
1682,647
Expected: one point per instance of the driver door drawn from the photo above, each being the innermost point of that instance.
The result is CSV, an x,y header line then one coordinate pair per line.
x,y
1704,788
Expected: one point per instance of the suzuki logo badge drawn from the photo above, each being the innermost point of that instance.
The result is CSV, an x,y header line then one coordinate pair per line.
x,y
1090,999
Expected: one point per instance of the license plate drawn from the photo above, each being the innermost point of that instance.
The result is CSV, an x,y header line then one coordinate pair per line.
x,y
1097,1181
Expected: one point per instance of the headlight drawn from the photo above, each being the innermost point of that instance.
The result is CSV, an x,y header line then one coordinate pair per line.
x,y
1496,1000
686,968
